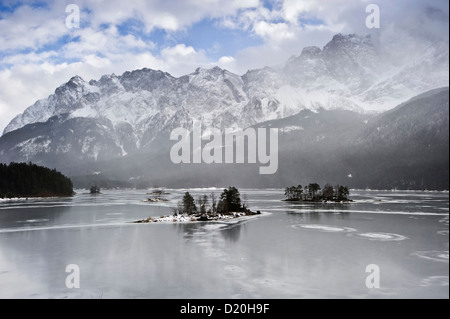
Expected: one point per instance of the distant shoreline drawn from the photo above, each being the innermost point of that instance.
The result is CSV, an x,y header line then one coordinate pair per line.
x,y
321,201
269,188
24,199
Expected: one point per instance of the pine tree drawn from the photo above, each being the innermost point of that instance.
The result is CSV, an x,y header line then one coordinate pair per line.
x,y
231,200
30,180
328,192
189,206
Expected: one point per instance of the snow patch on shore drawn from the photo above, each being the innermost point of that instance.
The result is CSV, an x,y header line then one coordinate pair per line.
x,y
235,217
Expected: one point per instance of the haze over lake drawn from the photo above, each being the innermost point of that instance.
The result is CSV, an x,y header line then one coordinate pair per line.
x,y
294,250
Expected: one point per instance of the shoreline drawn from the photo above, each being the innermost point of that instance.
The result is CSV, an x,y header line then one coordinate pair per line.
x,y
24,199
322,201
268,188
199,219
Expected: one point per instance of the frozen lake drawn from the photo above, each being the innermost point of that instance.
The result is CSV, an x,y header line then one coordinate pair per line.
x,y
293,251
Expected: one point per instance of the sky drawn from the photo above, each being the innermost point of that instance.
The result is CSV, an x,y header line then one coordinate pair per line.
x,y
42,46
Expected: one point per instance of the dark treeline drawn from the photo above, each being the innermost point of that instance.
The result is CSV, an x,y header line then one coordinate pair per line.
x,y
228,203
30,180
313,192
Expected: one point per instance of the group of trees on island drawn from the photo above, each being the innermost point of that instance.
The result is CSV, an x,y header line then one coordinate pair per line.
x,y
313,192
228,203
30,180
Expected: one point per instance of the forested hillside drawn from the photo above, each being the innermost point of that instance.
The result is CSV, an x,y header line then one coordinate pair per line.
x,y
30,180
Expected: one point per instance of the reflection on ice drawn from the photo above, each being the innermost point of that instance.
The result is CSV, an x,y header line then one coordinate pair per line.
x,y
434,255
301,250
326,228
431,281
197,232
32,221
445,220
379,236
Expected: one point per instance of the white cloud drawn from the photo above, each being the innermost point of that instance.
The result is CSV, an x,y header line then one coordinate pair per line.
x,y
171,15
28,57
180,50
181,59
273,32
105,42
30,28
101,49
293,9
226,59
246,19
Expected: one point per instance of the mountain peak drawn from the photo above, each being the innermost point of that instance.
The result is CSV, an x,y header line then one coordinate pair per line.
x,y
351,56
342,41
77,79
340,37
347,37
348,73
74,82
311,52
210,74
214,70
108,77
144,71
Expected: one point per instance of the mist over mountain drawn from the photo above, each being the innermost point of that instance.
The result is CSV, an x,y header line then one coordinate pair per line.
x,y
322,101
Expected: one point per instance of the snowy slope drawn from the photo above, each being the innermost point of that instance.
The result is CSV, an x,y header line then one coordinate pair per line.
x,y
127,112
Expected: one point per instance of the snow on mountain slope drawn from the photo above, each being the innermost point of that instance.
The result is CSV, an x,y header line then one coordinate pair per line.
x,y
127,112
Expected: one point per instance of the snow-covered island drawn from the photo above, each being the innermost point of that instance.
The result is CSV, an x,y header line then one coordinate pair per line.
x,y
196,218
206,209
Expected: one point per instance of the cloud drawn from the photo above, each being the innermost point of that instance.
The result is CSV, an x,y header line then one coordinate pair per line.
x,y
30,28
170,15
26,58
226,59
103,42
273,32
38,52
182,59
292,10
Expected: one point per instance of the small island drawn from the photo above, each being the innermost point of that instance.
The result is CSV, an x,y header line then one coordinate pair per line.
x,y
313,193
22,180
95,190
207,208
158,196
158,192
155,200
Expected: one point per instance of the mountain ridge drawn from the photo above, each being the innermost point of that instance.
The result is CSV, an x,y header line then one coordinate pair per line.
x,y
400,148
124,118
345,74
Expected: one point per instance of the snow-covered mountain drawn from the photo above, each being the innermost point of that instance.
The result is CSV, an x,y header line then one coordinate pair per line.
x,y
119,115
